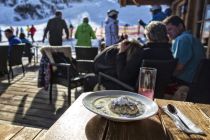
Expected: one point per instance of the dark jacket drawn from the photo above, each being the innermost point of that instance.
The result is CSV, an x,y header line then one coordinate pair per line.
x,y
128,69
55,27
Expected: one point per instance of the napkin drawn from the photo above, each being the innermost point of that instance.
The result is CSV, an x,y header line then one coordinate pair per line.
x,y
192,128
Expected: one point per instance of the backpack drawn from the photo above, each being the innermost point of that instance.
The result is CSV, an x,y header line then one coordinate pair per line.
x,y
106,61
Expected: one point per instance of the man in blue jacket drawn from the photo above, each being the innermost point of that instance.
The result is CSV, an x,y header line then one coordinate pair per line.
x,y
12,39
157,15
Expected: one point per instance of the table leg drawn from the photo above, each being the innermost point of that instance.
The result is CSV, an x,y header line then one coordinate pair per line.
x,y
37,57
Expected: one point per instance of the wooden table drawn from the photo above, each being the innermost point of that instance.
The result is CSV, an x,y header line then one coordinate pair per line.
x,y
192,111
78,123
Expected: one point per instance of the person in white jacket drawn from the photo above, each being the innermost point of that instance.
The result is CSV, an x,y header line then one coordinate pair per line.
x,y
111,28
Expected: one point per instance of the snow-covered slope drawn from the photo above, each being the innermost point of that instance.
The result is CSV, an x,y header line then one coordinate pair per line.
x,y
94,9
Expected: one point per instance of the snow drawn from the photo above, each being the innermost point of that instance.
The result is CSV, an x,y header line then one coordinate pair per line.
x,y
95,10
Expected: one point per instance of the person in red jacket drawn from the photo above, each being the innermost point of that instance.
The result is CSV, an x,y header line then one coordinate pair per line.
x,y
32,31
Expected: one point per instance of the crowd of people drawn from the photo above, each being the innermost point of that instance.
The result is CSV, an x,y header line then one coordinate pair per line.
x,y
30,31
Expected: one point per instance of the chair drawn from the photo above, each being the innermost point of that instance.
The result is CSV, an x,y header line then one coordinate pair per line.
x,y
63,70
85,57
27,52
165,70
118,84
200,88
3,61
15,58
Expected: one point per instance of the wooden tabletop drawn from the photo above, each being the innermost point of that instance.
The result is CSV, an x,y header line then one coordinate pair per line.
x,y
78,123
194,113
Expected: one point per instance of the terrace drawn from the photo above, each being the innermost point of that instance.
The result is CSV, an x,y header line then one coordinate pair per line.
x,y
26,111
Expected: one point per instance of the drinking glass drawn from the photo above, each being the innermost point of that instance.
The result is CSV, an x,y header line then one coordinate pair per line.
x,y
147,79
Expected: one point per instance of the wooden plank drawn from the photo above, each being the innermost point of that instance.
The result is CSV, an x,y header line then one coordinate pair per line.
x,y
41,135
34,100
58,91
34,104
27,133
36,90
147,129
193,113
77,123
2,122
29,111
205,108
42,95
26,119
144,2
8,131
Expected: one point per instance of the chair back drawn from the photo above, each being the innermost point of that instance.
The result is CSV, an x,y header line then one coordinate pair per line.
x,y
15,56
200,88
27,50
49,51
165,69
86,53
85,57
58,55
3,58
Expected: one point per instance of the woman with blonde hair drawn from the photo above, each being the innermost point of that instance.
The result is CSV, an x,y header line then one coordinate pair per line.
x,y
157,48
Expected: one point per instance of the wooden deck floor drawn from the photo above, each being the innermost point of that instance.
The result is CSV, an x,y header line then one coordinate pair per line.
x,y
23,103
15,132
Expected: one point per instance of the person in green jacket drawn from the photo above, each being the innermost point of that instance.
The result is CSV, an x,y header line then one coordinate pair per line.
x,y
84,33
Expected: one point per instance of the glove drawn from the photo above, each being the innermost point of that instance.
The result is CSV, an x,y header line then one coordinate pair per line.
x,y
142,23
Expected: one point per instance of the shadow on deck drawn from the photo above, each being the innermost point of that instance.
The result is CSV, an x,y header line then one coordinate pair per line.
x,y
23,103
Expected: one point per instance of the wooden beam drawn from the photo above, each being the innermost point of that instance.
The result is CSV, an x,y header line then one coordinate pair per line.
x,y
200,15
204,20
208,48
190,16
122,2
144,2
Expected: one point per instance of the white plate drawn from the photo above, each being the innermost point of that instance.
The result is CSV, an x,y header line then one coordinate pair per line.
x,y
150,107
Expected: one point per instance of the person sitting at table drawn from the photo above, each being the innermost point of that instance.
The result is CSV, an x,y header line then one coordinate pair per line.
x,y
24,39
12,39
157,47
186,48
28,44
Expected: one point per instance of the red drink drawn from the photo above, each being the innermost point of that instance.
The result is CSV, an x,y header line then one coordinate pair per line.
x,y
147,78
147,92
